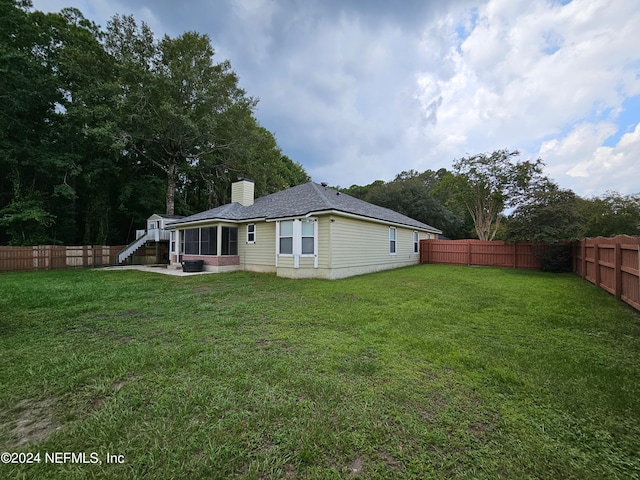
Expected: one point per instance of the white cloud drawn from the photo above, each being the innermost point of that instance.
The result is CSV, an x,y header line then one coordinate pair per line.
x,y
580,159
343,96
567,155
528,70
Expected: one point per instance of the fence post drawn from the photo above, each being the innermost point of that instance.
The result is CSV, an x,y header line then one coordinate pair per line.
x,y
515,255
583,247
618,270
468,253
596,262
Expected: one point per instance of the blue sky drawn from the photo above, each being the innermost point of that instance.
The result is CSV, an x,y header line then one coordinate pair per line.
x,y
358,91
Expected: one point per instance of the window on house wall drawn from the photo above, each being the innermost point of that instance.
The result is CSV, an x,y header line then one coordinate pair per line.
x,y
192,241
209,241
286,237
297,237
416,242
251,233
392,240
307,237
229,241
172,241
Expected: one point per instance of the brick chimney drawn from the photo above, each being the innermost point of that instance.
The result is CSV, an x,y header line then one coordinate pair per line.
x,y
242,191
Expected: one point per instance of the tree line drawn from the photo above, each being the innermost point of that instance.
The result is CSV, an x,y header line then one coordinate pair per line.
x,y
497,196
102,127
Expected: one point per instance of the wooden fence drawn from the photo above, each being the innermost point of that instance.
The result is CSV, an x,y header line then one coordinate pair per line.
x,y
481,253
47,257
612,264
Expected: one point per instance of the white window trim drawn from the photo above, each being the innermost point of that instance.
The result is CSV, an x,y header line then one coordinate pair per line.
x,y
249,233
394,240
315,238
278,237
416,242
313,255
297,242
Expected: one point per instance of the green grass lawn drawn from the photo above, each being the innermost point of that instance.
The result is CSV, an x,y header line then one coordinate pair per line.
x,y
424,372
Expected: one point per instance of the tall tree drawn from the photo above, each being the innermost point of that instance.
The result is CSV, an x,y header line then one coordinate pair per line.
x,y
89,166
549,220
552,215
56,143
487,184
175,98
28,92
612,214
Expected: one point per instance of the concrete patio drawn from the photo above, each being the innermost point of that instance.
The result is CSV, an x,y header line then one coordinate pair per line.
x,y
164,269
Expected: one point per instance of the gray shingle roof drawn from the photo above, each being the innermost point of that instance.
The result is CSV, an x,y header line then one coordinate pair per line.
x,y
302,200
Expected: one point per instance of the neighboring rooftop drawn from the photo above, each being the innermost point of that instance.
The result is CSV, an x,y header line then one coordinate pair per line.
x,y
302,200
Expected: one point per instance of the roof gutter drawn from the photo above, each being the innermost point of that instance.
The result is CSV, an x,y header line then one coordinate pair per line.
x,y
199,223
359,217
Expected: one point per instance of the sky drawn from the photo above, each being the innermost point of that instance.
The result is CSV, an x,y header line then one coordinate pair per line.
x,y
358,91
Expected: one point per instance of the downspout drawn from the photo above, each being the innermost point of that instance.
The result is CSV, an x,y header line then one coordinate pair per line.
x,y
277,240
297,234
177,240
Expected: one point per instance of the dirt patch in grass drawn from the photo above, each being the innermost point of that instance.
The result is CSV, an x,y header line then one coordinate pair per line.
x,y
356,465
98,402
389,460
31,420
478,429
427,415
115,388
290,471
